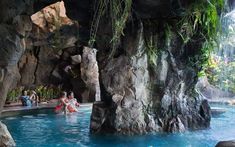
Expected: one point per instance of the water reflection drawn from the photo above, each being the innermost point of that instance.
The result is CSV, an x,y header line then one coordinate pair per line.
x,y
71,118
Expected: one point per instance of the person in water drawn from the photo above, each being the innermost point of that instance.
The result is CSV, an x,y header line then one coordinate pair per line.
x,y
73,102
62,103
25,99
34,98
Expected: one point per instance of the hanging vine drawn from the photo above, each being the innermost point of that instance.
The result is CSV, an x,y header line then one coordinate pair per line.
x,y
201,18
119,17
99,11
119,11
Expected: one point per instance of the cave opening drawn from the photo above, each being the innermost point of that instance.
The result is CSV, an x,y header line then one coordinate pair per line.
x,y
150,63
51,62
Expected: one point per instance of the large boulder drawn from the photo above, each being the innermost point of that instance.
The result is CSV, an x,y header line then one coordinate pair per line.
x,y
6,139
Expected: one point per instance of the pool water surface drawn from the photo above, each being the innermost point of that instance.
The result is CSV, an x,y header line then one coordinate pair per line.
x,y
50,130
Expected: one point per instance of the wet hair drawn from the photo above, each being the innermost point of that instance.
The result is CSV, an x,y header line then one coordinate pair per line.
x,y
24,91
70,92
63,93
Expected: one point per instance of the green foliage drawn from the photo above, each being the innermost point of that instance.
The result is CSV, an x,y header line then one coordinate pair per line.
x,y
201,19
47,92
221,73
151,51
100,9
119,17
14,95
150,41
119,11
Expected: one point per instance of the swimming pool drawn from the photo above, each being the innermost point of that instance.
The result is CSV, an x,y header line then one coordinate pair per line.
x,y
50,130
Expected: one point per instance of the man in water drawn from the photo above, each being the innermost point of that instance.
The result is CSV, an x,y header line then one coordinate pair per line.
x,y
25,99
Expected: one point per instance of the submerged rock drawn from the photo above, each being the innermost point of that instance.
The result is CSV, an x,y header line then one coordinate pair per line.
x,y
217,111
6,139
230,143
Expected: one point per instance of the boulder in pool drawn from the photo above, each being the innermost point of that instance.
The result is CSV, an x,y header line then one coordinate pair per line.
x,y
217,111
5,137
230,143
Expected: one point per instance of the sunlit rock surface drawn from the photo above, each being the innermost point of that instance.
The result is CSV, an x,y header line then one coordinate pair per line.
x,y
90,73
6,139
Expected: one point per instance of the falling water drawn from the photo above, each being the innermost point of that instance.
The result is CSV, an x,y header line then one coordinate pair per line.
x,y
224,56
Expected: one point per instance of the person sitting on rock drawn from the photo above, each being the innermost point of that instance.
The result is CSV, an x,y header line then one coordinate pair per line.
x,y
25,99
62,103
73,102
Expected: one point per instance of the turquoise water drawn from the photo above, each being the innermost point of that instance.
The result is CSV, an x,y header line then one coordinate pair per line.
x,y
50,130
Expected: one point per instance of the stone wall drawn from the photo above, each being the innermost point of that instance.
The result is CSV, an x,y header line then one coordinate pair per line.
x,y
15,26
52,45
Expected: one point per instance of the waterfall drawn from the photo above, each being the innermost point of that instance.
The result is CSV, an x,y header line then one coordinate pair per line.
x,y
223,57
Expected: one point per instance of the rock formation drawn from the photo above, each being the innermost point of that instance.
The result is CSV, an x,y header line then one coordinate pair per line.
x,y
136,96
211,92
142,99
15,24
5,137
90,72
49,43
230,143
139,94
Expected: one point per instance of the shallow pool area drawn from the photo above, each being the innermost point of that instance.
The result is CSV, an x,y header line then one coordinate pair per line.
x,y
50,130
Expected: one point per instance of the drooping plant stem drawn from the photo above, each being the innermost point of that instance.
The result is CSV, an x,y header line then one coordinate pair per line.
x,y
119,11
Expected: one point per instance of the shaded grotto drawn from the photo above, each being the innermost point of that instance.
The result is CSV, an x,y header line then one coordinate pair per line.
x,y
139,93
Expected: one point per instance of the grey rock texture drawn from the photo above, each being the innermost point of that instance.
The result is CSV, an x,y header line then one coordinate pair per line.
x,y
90,72
230,143
137,97
6,139
141,98
14,27
54,48
211,92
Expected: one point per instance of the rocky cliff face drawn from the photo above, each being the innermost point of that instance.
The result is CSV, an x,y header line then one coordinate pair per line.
x,y
140,98
49,47
15,25
137,96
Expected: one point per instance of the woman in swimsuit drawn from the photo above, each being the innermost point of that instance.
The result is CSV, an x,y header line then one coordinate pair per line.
x,y
62,103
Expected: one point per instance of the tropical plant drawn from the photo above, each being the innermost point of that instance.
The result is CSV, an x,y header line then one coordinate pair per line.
x,y
221,73
119,11
13,95
47,92
201,18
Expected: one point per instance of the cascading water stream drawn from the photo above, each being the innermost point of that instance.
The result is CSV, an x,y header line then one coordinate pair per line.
x,y
223,58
